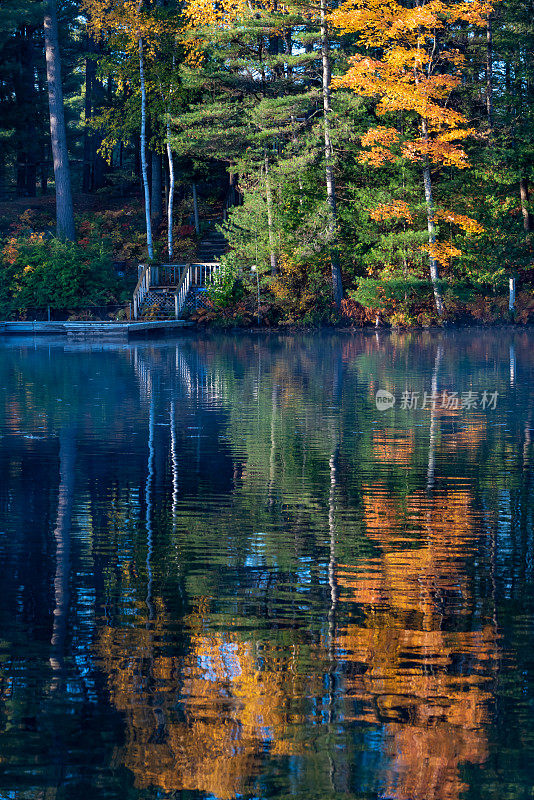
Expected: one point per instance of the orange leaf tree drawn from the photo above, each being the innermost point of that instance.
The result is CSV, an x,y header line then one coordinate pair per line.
x,y
413,74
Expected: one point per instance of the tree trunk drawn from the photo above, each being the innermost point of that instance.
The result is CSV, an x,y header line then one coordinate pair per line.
x,y
27,113
525,210
274,264
58,133
431,467
98,165
44,175
195,209
429,202
144,168
156,189
31,179
67,458
434,273
170,243
2,173
337,286
87,135
489,72
294,141
288,42
149,488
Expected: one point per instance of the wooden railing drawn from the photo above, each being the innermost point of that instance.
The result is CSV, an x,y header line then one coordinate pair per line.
x,y
141,289
183,276
182,290
202,272
166,274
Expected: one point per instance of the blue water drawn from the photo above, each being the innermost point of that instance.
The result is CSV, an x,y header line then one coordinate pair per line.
x,y
225,572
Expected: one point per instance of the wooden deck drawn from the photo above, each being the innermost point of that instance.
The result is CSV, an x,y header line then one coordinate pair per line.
x,y
122,331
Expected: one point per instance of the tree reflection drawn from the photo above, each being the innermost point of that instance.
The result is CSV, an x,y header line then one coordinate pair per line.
x,y
259,584
407,667
198,722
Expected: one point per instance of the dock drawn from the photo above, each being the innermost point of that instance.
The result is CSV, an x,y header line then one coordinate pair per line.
x,y
116,331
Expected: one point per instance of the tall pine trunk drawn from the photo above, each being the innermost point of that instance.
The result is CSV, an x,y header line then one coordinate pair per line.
x,y
62,535
157,186
489,72
144,168
525,208
429,202
270,222
88,110
337,286
170,243
58,134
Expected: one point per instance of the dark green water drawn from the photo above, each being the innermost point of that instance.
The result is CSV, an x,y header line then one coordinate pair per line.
x,y
224,572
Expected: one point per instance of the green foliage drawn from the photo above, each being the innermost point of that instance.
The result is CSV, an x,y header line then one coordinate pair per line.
x,y
225,286
38,272
387,294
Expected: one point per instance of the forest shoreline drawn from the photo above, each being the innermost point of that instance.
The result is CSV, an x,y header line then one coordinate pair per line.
x,y
445,327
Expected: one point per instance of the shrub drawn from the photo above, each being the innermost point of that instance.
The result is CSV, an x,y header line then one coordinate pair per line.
x,y
38,272
225,287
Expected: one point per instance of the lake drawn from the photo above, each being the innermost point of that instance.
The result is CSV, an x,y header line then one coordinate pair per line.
x,y
268,566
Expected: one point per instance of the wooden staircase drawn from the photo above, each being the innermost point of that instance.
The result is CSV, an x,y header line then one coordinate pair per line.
x,y
169,289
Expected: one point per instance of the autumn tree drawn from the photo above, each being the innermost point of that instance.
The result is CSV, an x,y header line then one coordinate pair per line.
x,y
133,31
413,74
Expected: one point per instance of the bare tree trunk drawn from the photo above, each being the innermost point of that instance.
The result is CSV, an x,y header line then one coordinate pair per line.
x,y
64,208
174,465
156,189
67,456
337,286
489,72
195,208
332,577
144,168
525,211
429,201
434,273
272,456
148,517
270,224
170,243
430,472
232,194
294,140
87,136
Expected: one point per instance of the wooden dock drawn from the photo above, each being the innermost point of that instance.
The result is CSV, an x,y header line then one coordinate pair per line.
x,y
116,331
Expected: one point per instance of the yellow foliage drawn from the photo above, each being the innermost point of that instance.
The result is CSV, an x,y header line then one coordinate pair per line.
x,y
406,78
469,225
442,252
397,209
125,20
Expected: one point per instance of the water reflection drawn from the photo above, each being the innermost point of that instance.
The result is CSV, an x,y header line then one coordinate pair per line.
x,y
226,573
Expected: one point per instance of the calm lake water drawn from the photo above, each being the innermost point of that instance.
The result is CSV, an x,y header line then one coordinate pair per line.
x,y
226,573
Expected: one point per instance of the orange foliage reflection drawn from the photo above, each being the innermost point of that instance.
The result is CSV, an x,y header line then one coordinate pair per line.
x,y
396,449
405,670
199,722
